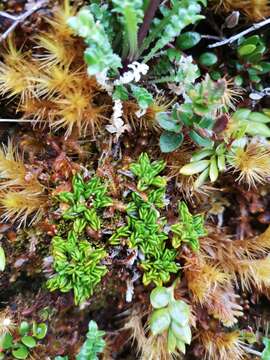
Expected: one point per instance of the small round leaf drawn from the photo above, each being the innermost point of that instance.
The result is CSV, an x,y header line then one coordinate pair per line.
x,y
29,341
40,330
167,123
6,341
24,328
188,40
170,141
246,49
160,321
21,352
159,297
208,59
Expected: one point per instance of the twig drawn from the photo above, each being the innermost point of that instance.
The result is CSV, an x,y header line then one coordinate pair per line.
x,y
7,15
245,32
21,18
19,120
210,37
251,351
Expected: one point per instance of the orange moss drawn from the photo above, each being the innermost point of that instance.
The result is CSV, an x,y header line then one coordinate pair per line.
x,y
255,10
222,345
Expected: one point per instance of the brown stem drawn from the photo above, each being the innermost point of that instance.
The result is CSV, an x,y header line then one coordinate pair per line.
x,y
148,17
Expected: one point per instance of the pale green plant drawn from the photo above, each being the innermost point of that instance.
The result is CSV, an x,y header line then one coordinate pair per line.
x,y
170,317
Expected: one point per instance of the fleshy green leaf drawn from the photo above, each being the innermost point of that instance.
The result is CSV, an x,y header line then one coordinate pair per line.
x,y
188,40
159,321
24,328
21,352
29,341
170,141
166,122
159,297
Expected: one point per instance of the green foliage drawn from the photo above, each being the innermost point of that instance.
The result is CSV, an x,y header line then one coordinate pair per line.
x,y
196,115
98,55
181,14
144,228
189,229
251,53
131,16
112,28
266,352
208,162
143,97
77,263
147,172
245,121
170,316
208,59
86,200
77,266
25,338
94,343
188,40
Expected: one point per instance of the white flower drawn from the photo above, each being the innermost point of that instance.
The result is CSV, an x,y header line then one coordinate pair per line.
x,y
117,126
103,81
138,70
134,74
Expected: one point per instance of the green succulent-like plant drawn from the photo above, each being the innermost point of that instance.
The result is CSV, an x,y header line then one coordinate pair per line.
x,y
208,163
147,173
189,229
144,228
251,52
94,343
86,200
26,339
77,265
170,316
245,121
196,116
